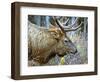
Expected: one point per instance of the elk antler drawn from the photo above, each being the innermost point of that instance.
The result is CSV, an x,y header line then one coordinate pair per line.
x,y
73,29
69,27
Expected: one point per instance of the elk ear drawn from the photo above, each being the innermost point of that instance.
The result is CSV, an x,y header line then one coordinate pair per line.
x,y
56,33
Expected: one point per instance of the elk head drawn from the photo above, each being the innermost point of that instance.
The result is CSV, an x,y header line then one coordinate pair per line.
x,y
64,43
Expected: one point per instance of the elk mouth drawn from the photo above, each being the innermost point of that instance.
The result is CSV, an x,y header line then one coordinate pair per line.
x,y
68,52
61,55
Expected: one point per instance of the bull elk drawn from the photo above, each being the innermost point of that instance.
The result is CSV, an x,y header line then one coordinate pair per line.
x,y
43,42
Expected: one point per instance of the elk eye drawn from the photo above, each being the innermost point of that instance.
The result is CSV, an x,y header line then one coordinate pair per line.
x,y
65,40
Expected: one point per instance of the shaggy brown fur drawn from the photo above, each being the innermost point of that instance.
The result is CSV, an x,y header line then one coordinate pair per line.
x,y
43,42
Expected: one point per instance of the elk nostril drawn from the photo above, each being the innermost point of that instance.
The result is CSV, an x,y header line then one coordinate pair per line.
x,y
74,52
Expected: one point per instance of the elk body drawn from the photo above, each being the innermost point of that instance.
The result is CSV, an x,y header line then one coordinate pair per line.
x,y
44,42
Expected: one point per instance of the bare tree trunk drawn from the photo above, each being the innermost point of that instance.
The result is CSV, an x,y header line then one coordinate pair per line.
x,y
47,21
85,25
37,20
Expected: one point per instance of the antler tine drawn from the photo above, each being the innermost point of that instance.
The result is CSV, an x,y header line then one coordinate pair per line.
x,y
69,26
57,24
73,29
66,21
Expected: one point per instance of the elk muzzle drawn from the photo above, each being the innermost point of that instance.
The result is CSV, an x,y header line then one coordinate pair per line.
x,y
71,48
